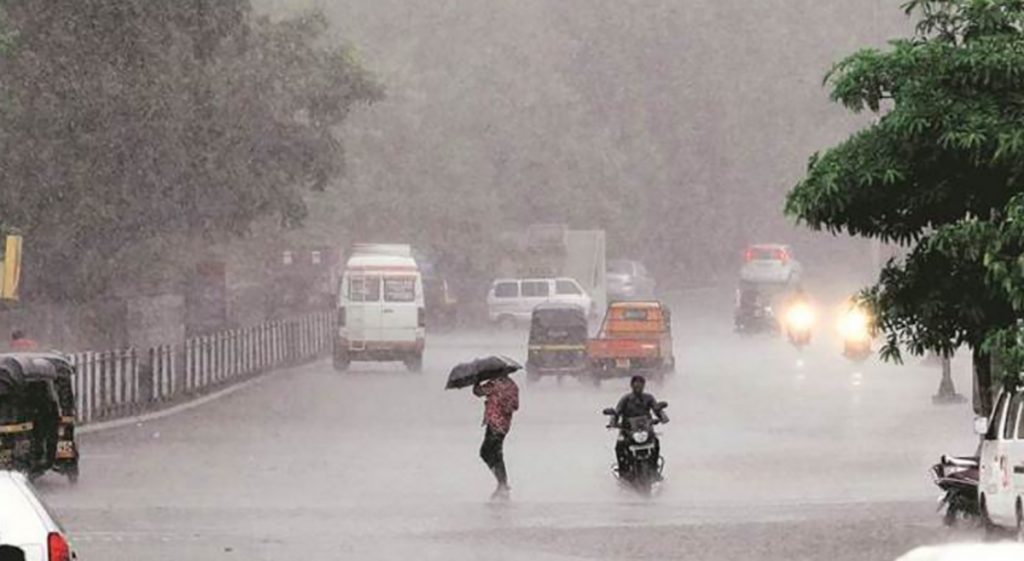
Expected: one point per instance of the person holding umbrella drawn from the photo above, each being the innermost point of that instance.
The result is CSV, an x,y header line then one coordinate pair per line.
x,y
490,380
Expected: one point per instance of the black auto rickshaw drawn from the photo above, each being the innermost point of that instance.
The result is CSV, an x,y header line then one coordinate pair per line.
x,y
46,398
558,342
15,424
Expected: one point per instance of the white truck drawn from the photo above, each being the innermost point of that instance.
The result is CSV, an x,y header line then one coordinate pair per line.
x,y
553,251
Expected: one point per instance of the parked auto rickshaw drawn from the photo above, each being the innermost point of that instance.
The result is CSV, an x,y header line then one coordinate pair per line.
x,y
558,341
45,399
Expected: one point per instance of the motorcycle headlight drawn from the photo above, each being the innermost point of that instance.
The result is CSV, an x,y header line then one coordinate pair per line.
x,y
641,436
856,325
800,317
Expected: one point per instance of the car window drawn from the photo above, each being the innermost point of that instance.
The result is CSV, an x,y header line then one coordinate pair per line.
x,y
1020,422
400,289
635,314
1012,417
506,290
567,287
364,289
997,417
536,289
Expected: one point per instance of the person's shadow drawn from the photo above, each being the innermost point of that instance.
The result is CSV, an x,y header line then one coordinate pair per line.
x,y
11,553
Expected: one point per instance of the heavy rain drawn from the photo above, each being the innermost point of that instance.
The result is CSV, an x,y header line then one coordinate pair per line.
x,y
536,280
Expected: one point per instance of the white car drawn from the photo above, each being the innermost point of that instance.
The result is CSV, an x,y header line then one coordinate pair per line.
x,y
1001,478
967,552
511,301
770,264
27,524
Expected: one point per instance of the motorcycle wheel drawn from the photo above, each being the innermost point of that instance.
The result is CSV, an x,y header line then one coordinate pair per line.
x,y
644,479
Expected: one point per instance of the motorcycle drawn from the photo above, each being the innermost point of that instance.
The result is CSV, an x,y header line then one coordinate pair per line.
x,y
757,319
641,464
957,476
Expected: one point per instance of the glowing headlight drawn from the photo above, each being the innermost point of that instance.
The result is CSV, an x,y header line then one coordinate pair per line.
x,y
641,436
855,324
800,317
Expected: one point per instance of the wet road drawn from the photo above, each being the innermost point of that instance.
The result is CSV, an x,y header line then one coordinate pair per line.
x,y
767,459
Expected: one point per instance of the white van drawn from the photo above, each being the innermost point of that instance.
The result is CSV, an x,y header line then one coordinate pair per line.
x,y
1001,479
381,314
511,301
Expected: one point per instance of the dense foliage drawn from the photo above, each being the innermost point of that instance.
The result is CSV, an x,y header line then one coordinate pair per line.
x,y
934,173
128,123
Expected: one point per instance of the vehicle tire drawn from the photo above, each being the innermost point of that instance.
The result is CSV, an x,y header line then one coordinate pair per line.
x,y
414,363
1019,534
72,474
595,380
644,479
507,323
341,362
952,515
990,529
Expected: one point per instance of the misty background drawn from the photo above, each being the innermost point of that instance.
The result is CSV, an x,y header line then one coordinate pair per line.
x,y
155,152
677,126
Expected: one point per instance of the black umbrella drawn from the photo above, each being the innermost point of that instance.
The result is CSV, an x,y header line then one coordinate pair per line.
x,y
481,370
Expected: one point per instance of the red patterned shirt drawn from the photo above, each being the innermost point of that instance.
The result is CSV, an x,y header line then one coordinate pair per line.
x,y
502,401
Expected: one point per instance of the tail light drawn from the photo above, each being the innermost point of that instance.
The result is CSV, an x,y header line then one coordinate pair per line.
x,y
58,547
748,256
341,317
782,255
421,317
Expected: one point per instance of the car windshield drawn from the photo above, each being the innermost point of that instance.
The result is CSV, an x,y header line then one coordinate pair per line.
x,y
620,267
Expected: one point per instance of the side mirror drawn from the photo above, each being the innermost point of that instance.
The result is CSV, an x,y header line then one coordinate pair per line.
x,y
609,411
661,405
981,426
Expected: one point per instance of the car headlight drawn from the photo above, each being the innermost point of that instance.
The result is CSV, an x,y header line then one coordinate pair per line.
x,y
641,436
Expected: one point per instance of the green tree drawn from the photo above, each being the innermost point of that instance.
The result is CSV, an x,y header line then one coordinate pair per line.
x,y
136,122
934,173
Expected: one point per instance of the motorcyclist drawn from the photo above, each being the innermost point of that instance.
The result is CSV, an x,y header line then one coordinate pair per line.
x,y
636,403
748,301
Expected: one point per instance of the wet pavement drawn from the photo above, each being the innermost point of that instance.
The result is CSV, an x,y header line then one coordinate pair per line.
x,y
771,454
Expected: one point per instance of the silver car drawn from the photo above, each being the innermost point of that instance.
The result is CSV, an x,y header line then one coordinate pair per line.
x,y
628,280
25,522
771,264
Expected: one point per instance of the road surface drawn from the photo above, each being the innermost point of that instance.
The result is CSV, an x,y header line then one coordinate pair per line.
x,y
771,455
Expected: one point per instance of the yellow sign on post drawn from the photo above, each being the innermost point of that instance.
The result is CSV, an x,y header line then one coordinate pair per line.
x,y
11,268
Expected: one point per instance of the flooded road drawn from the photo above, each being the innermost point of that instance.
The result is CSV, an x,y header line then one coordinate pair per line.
x,y
770,455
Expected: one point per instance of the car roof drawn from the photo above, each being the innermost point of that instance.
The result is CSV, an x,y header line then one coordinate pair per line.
x,y
556,307
768,246
23,518
396,262
646,304
534,279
